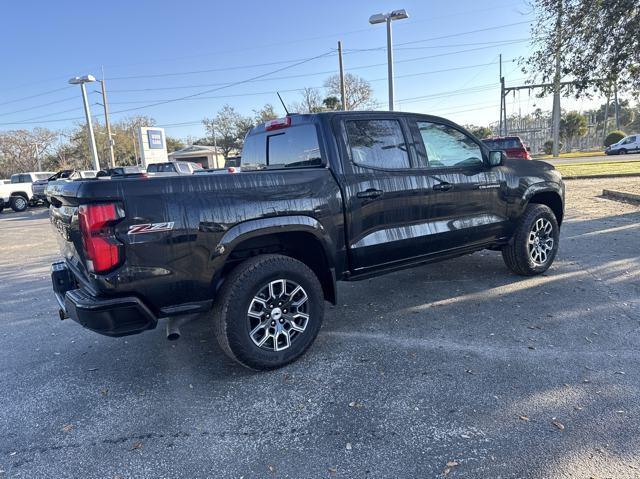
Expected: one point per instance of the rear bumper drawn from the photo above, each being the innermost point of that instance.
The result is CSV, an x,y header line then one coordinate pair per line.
x,y
108,316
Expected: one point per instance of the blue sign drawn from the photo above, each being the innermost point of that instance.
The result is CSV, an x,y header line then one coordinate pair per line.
x,y
155,139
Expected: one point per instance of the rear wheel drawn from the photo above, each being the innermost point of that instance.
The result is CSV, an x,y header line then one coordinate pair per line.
x,y
268,311
19,203
535,242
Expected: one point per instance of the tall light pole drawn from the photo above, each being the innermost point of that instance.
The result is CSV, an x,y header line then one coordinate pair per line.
x,y
92,140
388,18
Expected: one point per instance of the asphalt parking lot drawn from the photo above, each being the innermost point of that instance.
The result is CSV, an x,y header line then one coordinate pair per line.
x,y
458,369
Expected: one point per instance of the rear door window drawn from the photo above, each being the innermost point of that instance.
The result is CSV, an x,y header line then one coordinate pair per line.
x,y
377,144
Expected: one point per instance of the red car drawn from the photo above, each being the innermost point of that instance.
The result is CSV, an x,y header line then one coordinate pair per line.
x,y
511,145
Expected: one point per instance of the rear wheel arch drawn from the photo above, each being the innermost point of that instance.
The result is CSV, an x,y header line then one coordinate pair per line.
x,y
300,243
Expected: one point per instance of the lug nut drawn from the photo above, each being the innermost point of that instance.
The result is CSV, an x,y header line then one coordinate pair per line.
x,y
280,303
268,316
273,323
281,320
284,311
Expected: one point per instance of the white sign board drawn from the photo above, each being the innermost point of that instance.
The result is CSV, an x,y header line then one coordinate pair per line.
x,y
153,145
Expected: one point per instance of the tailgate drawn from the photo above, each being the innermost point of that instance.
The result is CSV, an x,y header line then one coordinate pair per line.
x,y
64,218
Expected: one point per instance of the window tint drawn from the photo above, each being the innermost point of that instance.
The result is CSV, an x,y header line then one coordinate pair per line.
x,y
377,143
254,152
448,147
295,147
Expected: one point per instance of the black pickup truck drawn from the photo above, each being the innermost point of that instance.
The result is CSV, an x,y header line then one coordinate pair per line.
x,y
320,198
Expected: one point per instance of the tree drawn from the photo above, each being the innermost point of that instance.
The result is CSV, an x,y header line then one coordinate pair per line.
x,y
358,91
614,137
174,144
19,149
311,101
572,125
598,40
266,113
480,131
229,128
332,103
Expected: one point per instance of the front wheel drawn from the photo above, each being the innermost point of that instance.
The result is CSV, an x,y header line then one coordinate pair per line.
x,y
19,203
268,311
534,244
622,151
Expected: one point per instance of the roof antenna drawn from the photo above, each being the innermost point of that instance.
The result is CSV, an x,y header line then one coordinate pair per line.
x,y
282,101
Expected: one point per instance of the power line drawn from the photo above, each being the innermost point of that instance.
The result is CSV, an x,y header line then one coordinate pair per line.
x,y
303,75
198,94
34,96
40,106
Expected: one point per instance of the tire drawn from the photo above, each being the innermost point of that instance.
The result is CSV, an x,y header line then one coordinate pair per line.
x,y
19,203
46,203
1,205
622,151
244,307
535,242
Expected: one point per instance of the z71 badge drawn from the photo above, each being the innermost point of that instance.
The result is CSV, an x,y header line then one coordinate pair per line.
x,y
150,228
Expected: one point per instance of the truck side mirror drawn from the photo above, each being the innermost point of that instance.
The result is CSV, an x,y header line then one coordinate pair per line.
x,y
496,157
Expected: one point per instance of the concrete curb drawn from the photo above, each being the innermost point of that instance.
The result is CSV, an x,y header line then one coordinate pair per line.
x,y
621,195
595,177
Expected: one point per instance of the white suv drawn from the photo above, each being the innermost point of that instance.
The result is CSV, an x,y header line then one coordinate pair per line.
x,y
627,145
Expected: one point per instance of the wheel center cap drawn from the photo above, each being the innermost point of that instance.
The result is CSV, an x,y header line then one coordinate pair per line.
x,y
276,314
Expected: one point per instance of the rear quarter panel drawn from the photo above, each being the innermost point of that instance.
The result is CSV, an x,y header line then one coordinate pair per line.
x,y
180,265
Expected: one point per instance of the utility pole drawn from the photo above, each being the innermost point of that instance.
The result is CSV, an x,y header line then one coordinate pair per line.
x,y
615,98
556,83
606,115
343,96
38,160
112,159
215,142
501,95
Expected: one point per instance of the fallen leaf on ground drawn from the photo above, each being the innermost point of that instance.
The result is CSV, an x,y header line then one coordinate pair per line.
x,y
523,418
450,465
349,447
67,427
104,392
271,468
558,424
356,404
136,445
333,470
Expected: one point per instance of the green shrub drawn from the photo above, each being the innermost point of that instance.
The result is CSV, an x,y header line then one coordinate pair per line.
x,y
548,147
614,137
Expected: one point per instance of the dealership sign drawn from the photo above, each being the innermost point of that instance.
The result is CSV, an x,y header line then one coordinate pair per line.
x,y
153,147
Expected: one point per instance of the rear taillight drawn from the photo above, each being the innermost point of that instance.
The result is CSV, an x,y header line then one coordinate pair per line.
x,y
102,248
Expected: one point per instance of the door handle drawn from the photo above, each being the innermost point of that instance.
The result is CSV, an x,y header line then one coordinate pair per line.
x,y
443,187
369,194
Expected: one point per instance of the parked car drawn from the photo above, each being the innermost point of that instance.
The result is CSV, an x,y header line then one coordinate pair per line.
x,y
179,167
513,146
40,186
628,144
19,192
127,171
335,196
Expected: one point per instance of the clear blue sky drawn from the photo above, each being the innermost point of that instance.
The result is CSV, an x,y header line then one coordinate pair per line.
x,y
42,46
